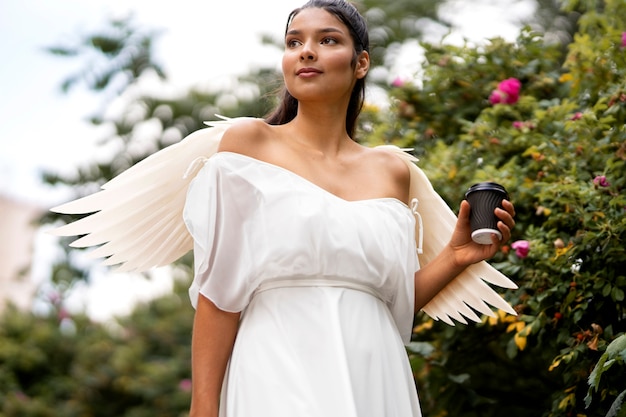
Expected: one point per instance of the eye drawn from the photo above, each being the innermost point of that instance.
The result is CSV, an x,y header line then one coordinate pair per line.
x,y
292,43
329,41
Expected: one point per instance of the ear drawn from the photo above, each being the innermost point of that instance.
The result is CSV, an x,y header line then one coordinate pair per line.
x,y
362,64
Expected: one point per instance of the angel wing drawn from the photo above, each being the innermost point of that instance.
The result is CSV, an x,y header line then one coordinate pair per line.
x,y
137,218
470,288
138,214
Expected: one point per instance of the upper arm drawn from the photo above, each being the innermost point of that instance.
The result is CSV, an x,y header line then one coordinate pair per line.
x,y
401,177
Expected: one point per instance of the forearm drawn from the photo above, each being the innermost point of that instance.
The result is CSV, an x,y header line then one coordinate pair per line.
x,y
214,333
460,253
434,276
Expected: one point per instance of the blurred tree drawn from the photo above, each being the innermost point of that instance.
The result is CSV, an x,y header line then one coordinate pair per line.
x,y
66,365
391,23
114,57
557,24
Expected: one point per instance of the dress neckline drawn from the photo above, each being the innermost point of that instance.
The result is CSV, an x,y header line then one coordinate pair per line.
x,y
309,182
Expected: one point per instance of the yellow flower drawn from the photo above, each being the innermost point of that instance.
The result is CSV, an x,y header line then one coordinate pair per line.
x,y
520,341
500,317
559,251
424,326
517,326
521,333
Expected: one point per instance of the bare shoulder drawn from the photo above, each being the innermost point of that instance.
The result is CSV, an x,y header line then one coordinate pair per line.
x,y
395,177
245,136
391,164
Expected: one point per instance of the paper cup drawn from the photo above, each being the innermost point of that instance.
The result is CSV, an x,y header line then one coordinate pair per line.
x,y
484,197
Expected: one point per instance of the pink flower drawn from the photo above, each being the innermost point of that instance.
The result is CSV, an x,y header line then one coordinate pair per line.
x,y
397,82
522,247
507,92
496,97
185,385
623,39
577,115
523,125
511,87
601,181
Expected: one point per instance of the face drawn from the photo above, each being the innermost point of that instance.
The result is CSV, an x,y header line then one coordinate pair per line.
x,y
319,59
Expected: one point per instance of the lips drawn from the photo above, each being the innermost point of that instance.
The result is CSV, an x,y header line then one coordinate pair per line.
x,y
308,71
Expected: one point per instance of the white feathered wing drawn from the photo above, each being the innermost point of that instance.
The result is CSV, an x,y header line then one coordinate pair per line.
x,y
137,218
470,288
138,214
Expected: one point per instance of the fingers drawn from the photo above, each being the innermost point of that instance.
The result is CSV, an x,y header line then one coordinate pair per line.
x,y
507,214
506,223
496,241
506,233
508,206
464,211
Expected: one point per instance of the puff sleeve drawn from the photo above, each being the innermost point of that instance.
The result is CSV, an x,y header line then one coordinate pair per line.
x,y
216,216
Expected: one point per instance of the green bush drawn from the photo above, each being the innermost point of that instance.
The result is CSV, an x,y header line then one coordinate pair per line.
x,y
62,365
560,150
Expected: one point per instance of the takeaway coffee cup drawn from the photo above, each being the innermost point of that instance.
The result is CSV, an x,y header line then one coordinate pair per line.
x,y
484,197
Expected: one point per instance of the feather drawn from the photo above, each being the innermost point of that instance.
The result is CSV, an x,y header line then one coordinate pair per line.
x,y
138,214
469,289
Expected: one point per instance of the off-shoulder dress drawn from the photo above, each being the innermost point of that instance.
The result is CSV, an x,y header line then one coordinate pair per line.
x,y
325,287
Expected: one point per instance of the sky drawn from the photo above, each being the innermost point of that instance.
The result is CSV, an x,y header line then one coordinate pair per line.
x,y
202,41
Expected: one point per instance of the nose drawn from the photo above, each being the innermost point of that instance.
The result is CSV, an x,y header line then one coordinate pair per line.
x,y
307,52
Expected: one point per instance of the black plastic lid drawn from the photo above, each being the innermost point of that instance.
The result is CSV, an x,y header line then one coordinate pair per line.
x,y
487,186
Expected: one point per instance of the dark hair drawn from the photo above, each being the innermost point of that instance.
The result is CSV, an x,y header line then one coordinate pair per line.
x,y
350,16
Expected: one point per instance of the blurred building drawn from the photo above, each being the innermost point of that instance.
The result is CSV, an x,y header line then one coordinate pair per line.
x,y
17,240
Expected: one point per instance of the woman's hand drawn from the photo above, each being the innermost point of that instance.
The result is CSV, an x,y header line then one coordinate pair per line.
x,y
460,253
466,251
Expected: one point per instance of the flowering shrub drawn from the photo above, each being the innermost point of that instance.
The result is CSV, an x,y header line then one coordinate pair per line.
x,y
507,92
559,147
135,366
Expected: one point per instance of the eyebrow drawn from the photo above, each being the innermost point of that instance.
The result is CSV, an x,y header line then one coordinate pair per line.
x,y
325,30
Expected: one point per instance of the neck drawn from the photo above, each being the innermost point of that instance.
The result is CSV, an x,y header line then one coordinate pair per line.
x,y
321,128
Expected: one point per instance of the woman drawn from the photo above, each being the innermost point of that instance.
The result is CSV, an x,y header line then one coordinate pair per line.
x,y
307,275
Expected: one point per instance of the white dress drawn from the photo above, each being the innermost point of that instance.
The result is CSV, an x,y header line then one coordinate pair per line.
x,y
325,287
